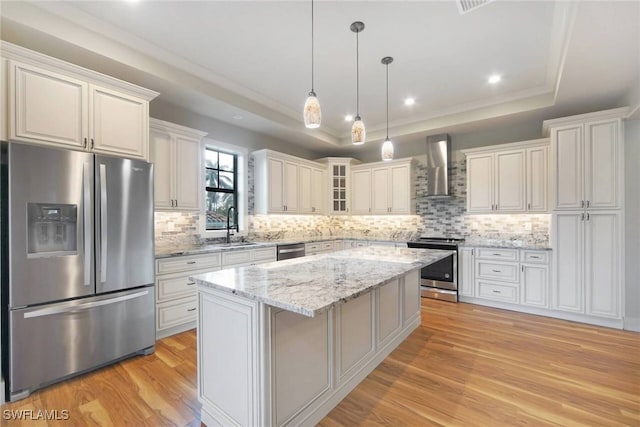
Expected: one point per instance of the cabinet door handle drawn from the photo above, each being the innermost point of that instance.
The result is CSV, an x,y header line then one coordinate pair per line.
x,y
496,292
582,203
588,216
86,141
535,257
191,283
522,268
588,203
529,206
369,209
472,251
497,271
191,309
191,262
92,143
496,254
582,216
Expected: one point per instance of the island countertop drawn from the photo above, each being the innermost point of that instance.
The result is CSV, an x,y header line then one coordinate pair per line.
x,y
311,285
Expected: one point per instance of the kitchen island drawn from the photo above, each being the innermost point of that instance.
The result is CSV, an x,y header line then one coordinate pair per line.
x,y
283,343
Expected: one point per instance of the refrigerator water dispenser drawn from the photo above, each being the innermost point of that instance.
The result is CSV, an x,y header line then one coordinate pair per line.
x,y
51,229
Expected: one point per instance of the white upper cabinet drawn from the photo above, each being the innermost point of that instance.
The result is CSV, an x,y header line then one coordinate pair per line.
x,y
508,178
510,189
118,123
176,157
47,107
361,191
318,191
55,103
480,183
287,184
383,188
339,188
587,160
537,179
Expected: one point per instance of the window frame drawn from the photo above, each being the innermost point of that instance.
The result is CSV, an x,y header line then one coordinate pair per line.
x,y
242,186
218,189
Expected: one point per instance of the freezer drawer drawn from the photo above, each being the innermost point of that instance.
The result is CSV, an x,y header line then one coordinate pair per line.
x,y
53,341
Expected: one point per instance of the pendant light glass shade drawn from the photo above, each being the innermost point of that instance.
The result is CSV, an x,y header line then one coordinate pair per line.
x,y
358,132
312,113
387,150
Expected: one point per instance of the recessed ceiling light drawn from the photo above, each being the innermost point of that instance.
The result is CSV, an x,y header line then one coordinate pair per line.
x,y
348,118
237,117
495,78
409,101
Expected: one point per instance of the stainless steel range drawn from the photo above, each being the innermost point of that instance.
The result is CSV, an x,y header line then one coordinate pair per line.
x,y
440,279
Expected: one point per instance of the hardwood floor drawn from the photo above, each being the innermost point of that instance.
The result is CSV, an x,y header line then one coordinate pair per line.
x,y
466,365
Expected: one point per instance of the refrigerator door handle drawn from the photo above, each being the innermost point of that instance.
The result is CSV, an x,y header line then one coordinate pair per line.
x,y
103,223
68,308
86,231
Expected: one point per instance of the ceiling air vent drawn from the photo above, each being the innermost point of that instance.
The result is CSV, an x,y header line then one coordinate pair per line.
x,y
465,6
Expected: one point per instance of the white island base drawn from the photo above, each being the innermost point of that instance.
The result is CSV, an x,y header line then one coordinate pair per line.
x,y
259,365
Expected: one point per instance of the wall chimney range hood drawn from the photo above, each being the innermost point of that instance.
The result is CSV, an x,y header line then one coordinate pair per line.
x,y
438,155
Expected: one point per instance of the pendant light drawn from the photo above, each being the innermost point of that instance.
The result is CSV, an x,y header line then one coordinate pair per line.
x,y
387,146
358,133
312,114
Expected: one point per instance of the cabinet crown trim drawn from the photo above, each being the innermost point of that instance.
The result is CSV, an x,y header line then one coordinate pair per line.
x,y
270,153
163,126
543,142
615,113
14,52
404,161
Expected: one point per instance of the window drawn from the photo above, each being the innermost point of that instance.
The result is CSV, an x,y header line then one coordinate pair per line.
x,y
221,188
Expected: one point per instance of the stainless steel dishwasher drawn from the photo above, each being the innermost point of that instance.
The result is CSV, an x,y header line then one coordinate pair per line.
x,y
288,251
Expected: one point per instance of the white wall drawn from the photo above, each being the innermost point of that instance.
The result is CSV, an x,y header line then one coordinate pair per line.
x,y
632,225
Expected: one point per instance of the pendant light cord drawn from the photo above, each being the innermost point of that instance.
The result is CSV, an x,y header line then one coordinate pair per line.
x,y
312,46
387,101
357,75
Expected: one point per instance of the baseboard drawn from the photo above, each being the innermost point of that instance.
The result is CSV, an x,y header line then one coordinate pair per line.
x,y
573,317
175,330
632,324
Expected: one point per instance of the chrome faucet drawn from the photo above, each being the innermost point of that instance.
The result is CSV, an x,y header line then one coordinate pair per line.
x,y
229,233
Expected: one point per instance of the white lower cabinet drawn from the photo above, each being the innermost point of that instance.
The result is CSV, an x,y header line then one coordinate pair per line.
x,y
465,272
519,278
587,259
176,304
535,285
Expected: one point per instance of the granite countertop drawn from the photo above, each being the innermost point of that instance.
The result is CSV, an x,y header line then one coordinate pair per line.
x,y
180,250
311,285
177,250
506,244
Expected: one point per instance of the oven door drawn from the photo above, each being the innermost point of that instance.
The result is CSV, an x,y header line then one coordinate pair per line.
x,y
441,274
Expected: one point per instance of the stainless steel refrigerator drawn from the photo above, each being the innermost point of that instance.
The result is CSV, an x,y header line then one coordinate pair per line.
x,y
77,263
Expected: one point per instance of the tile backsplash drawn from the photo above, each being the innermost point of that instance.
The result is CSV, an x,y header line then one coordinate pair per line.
x,y
442,217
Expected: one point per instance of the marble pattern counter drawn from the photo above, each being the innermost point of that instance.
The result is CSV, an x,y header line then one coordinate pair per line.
x,y
311,285
173,251
506,244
